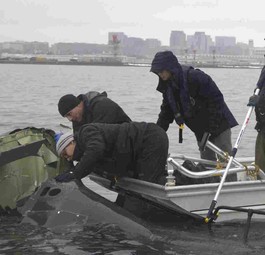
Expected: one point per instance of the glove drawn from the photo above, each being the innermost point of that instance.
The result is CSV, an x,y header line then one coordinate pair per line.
x,y
65,177
253,100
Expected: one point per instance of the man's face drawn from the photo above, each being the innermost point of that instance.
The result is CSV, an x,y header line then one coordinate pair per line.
x,y
164,75
68,152
75,114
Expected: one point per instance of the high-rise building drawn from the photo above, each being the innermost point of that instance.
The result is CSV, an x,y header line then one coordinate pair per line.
x,y
225,41
177,40
200,42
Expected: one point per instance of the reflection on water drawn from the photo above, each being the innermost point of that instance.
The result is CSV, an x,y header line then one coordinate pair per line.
x,y
179,238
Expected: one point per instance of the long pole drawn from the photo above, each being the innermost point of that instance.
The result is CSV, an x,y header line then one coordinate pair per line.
x,y
210,215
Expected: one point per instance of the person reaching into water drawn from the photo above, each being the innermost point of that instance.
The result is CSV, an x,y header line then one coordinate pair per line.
x,y
258,101
191,97
136,149
92,107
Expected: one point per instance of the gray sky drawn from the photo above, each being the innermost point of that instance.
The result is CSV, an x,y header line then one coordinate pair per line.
x,y
91,20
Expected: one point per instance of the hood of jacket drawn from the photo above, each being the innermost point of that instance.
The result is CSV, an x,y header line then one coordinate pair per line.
x,y
166,60
89,96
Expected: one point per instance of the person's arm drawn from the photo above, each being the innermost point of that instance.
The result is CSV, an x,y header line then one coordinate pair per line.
x,y
261,81
165,116
254,99
214,98
94,144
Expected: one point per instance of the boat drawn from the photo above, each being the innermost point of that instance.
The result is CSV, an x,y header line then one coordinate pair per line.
x,y
27,159
238,200
32,160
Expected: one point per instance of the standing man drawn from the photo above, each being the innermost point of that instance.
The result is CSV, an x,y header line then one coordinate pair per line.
x,y
136,149
91,108
259,102
191,97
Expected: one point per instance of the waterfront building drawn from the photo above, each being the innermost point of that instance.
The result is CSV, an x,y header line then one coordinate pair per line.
x,y
177,40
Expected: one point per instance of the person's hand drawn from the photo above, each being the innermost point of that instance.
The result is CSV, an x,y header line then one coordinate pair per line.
x,y
65,177
253,100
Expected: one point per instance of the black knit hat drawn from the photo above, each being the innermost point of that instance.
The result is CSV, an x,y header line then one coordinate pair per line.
x,y
67,103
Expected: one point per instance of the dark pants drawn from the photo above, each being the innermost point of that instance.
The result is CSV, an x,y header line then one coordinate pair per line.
x,y
151,161
260,151
223,141
150,167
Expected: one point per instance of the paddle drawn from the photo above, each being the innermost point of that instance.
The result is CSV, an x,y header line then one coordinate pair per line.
x,y
210,216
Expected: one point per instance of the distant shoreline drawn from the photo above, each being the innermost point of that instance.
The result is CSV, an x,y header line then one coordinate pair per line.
x,y
83,63
86,63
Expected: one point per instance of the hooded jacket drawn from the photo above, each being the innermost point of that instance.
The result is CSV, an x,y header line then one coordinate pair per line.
x,y
190,97
99,143
98,108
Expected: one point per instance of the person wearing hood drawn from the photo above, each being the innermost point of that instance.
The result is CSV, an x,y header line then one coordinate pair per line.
x,y
92,107
258,101
136,149
191,97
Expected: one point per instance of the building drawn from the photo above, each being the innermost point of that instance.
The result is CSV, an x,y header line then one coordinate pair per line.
x,y
224,43
177,40
200,42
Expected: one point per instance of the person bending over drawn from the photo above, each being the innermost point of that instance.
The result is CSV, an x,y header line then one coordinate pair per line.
x,y
136,149
92,107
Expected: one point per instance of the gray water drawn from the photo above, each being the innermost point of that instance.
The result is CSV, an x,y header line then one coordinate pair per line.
x,y
29,96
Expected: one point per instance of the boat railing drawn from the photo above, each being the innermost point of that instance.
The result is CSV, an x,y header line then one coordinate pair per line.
x,y
209,173
214,168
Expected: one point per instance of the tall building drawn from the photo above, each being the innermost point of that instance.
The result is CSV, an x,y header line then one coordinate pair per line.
x,y
210,44
222,43
190,42
177,40
152,43
200,42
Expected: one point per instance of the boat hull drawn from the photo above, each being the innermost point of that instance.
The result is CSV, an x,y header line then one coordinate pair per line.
x,y
195,200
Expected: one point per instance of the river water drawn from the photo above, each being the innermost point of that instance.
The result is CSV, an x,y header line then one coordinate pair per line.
x,y
29,96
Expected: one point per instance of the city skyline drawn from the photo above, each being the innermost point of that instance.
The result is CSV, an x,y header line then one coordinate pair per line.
x,y
91,21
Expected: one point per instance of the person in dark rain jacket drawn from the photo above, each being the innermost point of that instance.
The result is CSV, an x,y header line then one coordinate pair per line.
x,y
93,107
191,97
259,102
135,149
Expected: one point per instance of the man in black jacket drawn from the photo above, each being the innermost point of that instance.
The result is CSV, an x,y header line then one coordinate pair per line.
x,y
259,102
135,149
93,107
191,97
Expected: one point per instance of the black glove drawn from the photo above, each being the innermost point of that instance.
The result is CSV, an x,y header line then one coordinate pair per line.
x,y
253,100
65,177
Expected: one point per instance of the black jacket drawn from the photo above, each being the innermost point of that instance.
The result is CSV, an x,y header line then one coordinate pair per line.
x,y
118,145
191,97
260,107
100,109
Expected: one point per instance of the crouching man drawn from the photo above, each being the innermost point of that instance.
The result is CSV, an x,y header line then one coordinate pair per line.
x,y
135,149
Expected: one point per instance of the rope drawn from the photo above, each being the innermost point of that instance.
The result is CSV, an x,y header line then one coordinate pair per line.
x,y
226,156
219,165
253,173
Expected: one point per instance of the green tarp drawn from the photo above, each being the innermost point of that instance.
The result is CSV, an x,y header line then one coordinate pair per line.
x,y
20,178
